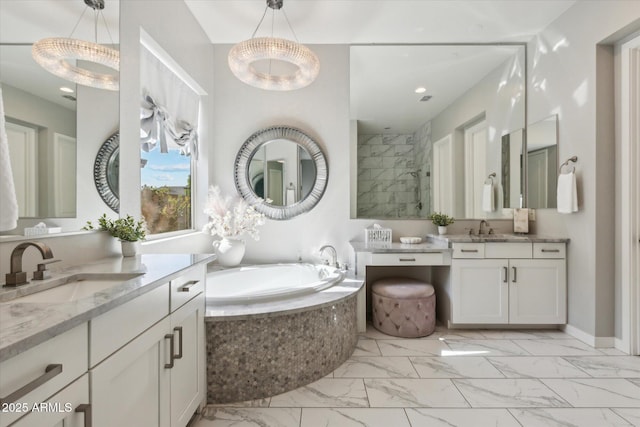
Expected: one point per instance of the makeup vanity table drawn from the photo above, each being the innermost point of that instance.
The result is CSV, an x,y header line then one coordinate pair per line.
x,y
487,280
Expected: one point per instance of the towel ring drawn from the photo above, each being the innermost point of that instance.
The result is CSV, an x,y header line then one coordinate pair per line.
x,y
567,162
490,178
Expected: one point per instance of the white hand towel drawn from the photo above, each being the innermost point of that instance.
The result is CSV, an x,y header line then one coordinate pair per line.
x,y
8,200
488,201
290,196
567,195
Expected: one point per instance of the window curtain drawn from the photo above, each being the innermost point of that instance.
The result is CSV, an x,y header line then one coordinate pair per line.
x,y
169,109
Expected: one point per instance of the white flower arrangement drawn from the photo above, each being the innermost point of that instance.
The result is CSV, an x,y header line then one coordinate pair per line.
x,y
231,217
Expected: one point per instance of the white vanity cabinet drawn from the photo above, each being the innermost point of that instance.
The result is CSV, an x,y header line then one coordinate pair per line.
x,y
156,379
46,370
508,283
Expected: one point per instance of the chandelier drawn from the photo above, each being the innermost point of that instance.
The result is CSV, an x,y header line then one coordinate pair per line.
x,y
53,54
301,65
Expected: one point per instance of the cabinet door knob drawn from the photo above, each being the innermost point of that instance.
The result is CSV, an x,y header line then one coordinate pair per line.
x,y
187,286
407,259
468,250
171,356
506,274
49,372
515,274
551,250
178,329
86,409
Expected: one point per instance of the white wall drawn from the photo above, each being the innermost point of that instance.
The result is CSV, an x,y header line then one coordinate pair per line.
x,y
570,76
320,110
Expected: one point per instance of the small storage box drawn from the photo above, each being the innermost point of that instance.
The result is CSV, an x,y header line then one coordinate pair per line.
x,y
377,235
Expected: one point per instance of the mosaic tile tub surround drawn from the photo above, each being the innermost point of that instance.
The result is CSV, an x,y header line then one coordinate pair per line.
x,y
268,355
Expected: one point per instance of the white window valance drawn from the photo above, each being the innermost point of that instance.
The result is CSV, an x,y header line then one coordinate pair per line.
x,y
169,109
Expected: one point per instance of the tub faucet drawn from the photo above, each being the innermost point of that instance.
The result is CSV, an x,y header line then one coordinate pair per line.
x,y
18,277
481,227
334,255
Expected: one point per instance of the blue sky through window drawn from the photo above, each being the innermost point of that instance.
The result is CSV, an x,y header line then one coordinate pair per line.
x,y
165,169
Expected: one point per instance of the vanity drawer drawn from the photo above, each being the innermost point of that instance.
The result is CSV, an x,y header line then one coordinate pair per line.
x,y
187,286
41,371
549,250
468,250
507,250
115,328
433,258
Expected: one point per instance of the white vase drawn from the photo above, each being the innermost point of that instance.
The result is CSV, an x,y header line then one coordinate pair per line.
x,y
130,248
442,229
229,251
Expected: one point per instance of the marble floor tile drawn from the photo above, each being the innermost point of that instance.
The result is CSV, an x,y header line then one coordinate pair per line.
x,y
366,347
456,334
326,392
514,335
536,367
568,417
630,415
373,333
376,367
507,393
551,347
597,392
354,417
608,366
460,417
611,351
413,393
250,417
454,367
558,335
257,403
483,348
412,347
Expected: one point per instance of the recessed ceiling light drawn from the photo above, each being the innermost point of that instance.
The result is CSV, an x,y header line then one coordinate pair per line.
x,y
66,89
420,89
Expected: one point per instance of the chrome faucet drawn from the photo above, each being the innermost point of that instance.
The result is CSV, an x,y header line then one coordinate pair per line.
x,y
18,277
334,255
481,228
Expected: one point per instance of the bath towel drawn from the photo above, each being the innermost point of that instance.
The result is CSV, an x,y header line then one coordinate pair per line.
x,y
567,194
488,201
8,200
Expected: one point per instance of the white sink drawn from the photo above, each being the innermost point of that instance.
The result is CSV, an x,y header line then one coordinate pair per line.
x,y
77,287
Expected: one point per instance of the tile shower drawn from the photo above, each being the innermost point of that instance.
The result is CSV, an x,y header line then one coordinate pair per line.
x,y
394,174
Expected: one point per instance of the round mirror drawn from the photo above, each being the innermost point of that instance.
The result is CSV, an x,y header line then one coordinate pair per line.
x,y
106,171
281,171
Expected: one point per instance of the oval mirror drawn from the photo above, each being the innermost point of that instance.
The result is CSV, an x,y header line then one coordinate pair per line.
x,y
106,171
281,171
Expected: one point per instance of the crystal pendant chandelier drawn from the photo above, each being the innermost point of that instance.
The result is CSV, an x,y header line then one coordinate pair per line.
x,y
303,65
54,54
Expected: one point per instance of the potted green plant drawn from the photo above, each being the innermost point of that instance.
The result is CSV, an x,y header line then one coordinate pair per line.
x,y
128,230
441,220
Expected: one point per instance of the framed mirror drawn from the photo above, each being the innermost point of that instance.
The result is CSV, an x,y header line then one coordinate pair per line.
x,y
428,122
281,171
106,171
50,105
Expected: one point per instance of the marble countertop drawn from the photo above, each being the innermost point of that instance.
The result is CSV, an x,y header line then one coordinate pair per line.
x,y
25,325
487,238
349,286
381,248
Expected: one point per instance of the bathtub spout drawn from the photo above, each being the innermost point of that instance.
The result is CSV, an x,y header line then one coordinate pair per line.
x,y
334,255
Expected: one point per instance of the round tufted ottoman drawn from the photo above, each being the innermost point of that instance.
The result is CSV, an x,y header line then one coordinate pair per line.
x,y
403,307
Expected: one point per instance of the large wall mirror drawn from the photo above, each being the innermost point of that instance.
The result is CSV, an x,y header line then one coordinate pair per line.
x,y
282,171
55,128
429,123
542,163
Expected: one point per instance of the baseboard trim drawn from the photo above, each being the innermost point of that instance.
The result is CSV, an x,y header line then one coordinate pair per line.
x,y
596,342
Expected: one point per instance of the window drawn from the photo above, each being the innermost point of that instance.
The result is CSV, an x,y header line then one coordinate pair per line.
x,y
166,191
169,121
